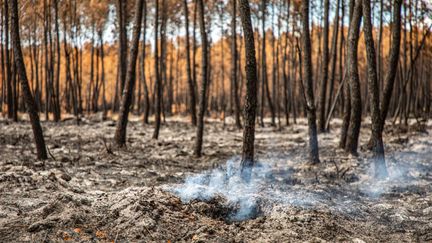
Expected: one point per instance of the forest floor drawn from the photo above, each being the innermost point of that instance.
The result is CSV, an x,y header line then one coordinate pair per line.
x,y
155,191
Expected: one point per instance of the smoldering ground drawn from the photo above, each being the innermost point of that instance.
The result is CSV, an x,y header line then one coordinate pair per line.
x,y
275,183
157,190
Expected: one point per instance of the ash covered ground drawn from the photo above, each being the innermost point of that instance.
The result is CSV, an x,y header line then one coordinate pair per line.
x,y
156,191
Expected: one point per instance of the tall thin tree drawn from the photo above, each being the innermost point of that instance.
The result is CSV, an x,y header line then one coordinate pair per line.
x,y
324,69
234,57
250,105
378,146
392,66
192,103
28,96
308,84
204,82
354,80
158,81
122,42
120,134
9,95
143,67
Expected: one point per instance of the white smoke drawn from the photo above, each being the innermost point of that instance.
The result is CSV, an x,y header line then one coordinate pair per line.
x,y
273,183
404,169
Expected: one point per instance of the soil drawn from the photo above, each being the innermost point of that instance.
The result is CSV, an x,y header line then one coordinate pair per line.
x,y
91,191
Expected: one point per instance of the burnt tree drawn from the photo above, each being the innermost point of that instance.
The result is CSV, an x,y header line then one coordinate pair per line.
x,y
9,96
120,134
346,96
192,104
378,146
28,96
122,43
392,67
204,82
250,105
142,68
324,70
354,80
308,84
234,60
158,81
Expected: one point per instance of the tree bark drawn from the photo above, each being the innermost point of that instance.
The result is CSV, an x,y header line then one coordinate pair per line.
x,y
3,78
308,84
265,86
122,57
102,57
142,68
324,70
373,86
158,81
204,73
354,80
30,103
9,94
120,135
251,98
285,74
334,52
57,112
346,96
192,103
392,62
234,57
47,65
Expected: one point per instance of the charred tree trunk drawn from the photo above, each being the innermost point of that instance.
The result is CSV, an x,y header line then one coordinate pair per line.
x,y
57,112
9,93
379,44
234,57
194,48
3,79
346,96
308,84
142,68
334,51
95,94
324,70
47,65
265,86
53,97
30,104
122,51
354,80
250,105
378,148
120,135
163,57
91,78
285,73
158,81
102,59
392,63
204,74
192,102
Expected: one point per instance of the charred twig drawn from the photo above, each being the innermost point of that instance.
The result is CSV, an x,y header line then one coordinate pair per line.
x,y
107,148
344,172
337,167
340,173
51,155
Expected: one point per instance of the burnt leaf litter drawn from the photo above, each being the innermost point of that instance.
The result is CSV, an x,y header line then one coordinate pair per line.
x,y
153,191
